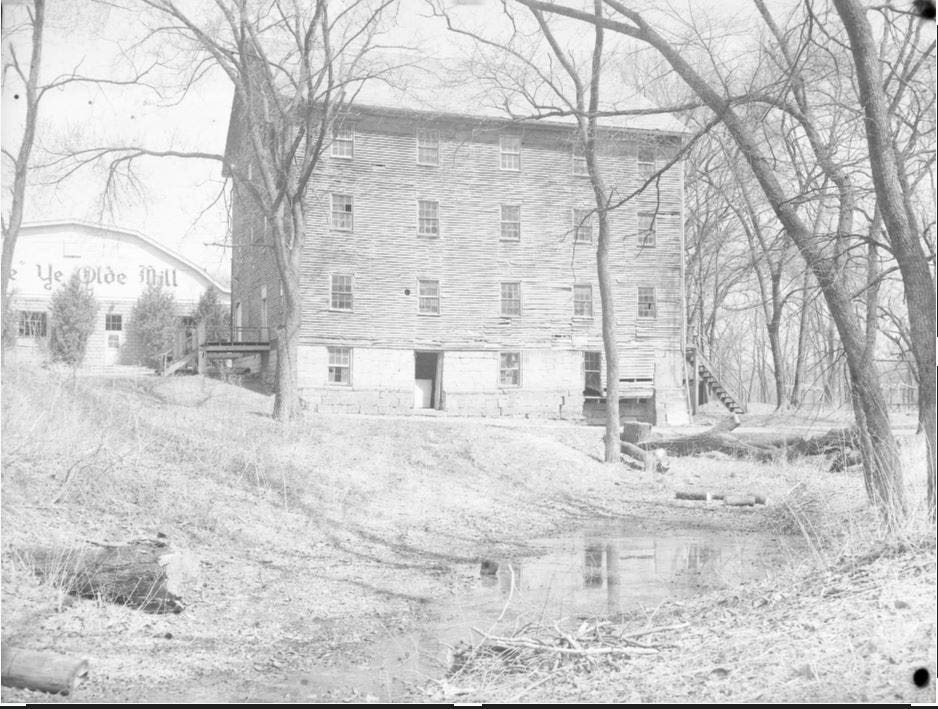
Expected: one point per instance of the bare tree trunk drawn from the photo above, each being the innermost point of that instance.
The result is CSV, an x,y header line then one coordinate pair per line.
x,y
11,228
801,355
919,286
286,386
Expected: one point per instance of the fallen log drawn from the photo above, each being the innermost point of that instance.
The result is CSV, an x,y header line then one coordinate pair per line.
x,y
739,500
650,460
756,446
708,495
715,438
143,574
644,458
41,671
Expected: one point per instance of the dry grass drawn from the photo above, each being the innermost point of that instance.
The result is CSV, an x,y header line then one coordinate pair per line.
x,y
317,536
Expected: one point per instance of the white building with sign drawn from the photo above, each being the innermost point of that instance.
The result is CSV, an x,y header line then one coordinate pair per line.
x,y
117,264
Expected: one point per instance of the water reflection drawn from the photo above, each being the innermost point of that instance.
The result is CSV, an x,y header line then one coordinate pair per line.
x,y
597,573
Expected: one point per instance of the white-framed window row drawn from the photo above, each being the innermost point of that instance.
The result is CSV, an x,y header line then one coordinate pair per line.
x,y
340,292
339,366
342,212
428,297
582,226
647,303
343,139
583,301
428,147
428,218
509,369
511,299
509,146
647,229
510,226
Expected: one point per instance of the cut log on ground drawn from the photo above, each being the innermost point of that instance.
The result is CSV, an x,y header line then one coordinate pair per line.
x,y
707,495
644,458
739,500
650,460
142,574
41,671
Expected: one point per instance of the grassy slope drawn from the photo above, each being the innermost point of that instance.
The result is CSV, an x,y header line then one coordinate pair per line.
x,y
314,538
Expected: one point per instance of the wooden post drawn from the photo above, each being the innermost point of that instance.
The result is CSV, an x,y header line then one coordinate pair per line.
x,y
42,671
696,382
201,359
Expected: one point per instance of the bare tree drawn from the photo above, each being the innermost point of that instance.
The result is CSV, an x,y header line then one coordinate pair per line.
x,y
29,77
892,199
882,469
295,67
26,75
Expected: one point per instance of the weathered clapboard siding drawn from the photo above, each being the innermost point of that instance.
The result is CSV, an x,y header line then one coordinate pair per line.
x,y
385,255
386,258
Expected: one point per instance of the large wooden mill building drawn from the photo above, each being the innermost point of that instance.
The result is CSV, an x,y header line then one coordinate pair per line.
x,y
451,264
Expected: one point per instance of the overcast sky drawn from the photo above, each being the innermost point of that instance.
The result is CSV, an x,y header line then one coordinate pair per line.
x,y
175,192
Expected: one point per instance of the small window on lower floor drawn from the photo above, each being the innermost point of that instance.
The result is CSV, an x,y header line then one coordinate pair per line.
x,y
32,323
428,296
647,307
509,369
592,372
113,341
340,365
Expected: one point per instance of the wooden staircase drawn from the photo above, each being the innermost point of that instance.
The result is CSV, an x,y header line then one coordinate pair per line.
x,y
705,372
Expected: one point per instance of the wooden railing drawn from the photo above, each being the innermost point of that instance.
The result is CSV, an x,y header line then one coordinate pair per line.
x,y
238,334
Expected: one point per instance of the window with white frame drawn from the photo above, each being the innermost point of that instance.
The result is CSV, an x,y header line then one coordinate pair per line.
x,y
343,140
32,323
646,229
341,292
583,301
510,147
428,218
428,297
579,160
428,147
113,322
511,298
592,371
511,222
647,307
646,163
342,212
509,369
582,226
340,365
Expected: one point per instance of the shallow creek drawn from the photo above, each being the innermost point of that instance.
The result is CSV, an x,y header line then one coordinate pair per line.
x,y
599,570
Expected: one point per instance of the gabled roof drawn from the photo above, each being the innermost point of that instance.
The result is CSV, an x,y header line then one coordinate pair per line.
x,y
136,235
